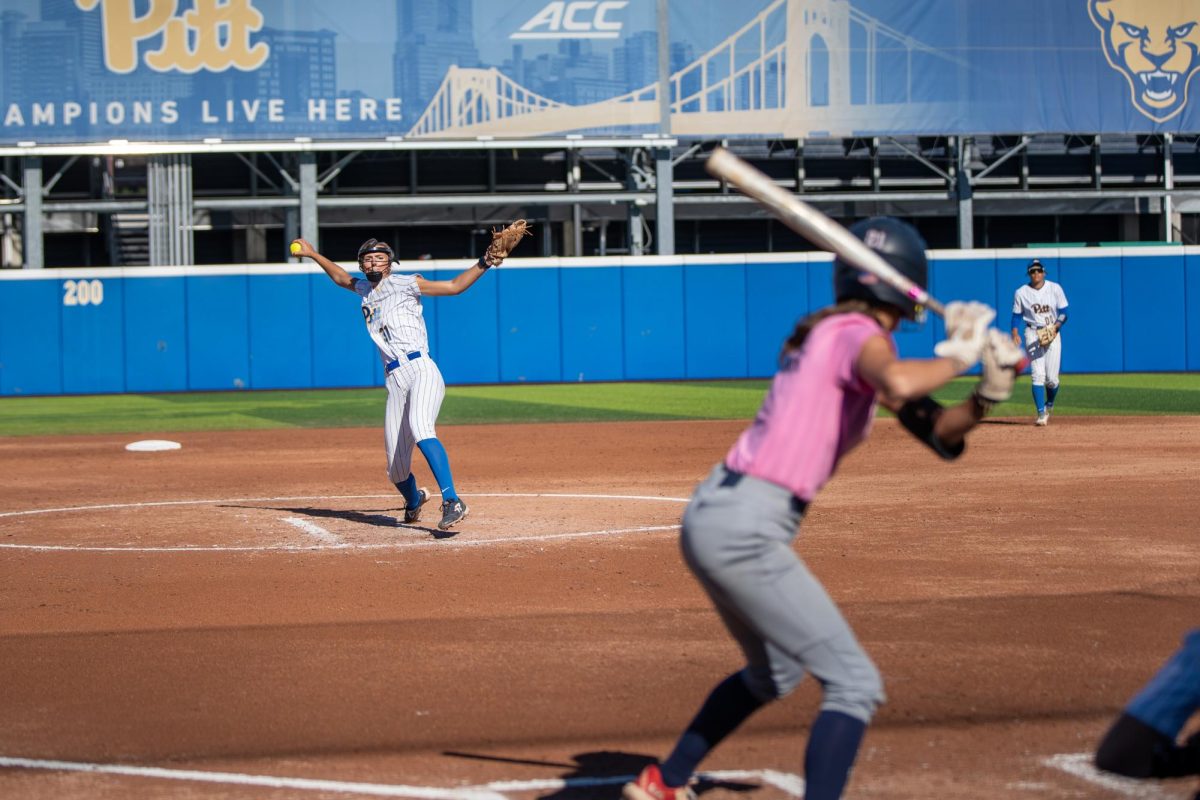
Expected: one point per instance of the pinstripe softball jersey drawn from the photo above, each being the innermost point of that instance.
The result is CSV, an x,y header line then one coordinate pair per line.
x,y
394,316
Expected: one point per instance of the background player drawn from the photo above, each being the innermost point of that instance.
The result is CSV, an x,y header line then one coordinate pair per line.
x,y
1142,743
391,307
1039,311
738,528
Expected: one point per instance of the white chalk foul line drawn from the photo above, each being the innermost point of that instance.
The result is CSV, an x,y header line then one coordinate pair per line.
x,y
441,544
161,503
313,530
785,781
328,540
1080,765
240,779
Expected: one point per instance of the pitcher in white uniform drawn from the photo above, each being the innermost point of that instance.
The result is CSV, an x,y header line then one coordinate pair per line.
x,y
1040,304
391,308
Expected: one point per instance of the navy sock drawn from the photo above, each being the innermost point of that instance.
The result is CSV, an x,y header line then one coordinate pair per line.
x,y
832,745
727,707
1039,398
439,463
1051,393
408,488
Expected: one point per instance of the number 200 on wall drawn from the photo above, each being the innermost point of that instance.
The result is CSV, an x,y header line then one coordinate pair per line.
x,y
83,293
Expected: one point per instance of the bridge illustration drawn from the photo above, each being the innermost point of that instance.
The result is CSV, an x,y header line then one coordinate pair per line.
x,y
787,71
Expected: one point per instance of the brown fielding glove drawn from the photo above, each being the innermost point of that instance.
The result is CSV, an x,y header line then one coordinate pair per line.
x,y
1046,335
504,241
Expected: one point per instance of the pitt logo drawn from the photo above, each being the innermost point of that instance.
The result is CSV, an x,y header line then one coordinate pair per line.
x,y
875,239
212,35
577,19
1154,43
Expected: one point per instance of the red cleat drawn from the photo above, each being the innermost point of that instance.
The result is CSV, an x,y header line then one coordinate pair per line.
x,y
649,786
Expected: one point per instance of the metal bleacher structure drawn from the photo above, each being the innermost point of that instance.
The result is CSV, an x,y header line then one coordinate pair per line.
x,y
445,182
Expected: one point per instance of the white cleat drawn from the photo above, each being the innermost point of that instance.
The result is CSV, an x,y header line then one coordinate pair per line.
x,y
1042,419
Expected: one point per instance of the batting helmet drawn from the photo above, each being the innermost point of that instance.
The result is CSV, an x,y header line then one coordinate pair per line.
x,y
902,247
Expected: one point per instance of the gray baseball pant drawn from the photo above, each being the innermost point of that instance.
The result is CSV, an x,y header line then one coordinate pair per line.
x,y
737,539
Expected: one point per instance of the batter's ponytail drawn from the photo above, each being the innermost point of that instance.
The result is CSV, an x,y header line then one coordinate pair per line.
x,y
805,326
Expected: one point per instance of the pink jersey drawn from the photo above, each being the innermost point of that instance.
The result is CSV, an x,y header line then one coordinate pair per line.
x,y
817,410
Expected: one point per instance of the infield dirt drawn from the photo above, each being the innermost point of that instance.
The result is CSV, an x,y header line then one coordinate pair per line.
x,y
172,616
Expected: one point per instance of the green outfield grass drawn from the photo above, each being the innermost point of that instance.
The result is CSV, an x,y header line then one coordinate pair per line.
x,y
1159,393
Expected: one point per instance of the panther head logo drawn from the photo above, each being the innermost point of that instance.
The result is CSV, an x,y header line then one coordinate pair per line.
x,y
1156,44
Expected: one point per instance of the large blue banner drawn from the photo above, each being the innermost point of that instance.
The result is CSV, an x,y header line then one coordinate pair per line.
x,y
188,70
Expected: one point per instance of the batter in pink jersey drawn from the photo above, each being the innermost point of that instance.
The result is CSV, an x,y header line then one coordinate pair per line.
x,y
835,368
817,410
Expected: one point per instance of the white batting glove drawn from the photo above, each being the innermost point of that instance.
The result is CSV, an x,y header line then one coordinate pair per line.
x,y
966,333
1000,358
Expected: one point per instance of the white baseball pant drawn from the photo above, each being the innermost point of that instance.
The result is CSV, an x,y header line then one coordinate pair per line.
x,y
415,393
1044,362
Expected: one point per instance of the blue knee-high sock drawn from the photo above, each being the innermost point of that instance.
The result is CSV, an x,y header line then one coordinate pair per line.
x,y
727,707
408,488
832,747
1051,393
439,463
1039,398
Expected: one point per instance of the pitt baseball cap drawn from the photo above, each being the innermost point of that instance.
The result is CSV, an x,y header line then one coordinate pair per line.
x,y
1034,266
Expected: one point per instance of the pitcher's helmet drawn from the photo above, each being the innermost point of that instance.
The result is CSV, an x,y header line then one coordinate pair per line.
x,y
376,246
902,247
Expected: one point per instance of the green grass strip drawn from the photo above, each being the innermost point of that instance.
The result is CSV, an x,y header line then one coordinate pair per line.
x,y
1127,394
1140,394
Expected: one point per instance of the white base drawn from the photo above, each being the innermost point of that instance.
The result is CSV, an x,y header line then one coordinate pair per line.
x,y
152,445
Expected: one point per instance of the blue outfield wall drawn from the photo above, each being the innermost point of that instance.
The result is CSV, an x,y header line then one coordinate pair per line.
x,y
164,329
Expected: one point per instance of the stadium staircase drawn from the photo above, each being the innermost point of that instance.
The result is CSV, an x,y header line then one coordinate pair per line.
x,y
128,231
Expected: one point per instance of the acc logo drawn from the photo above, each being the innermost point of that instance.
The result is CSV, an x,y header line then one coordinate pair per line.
x,y
211,35
1154,44
577,19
